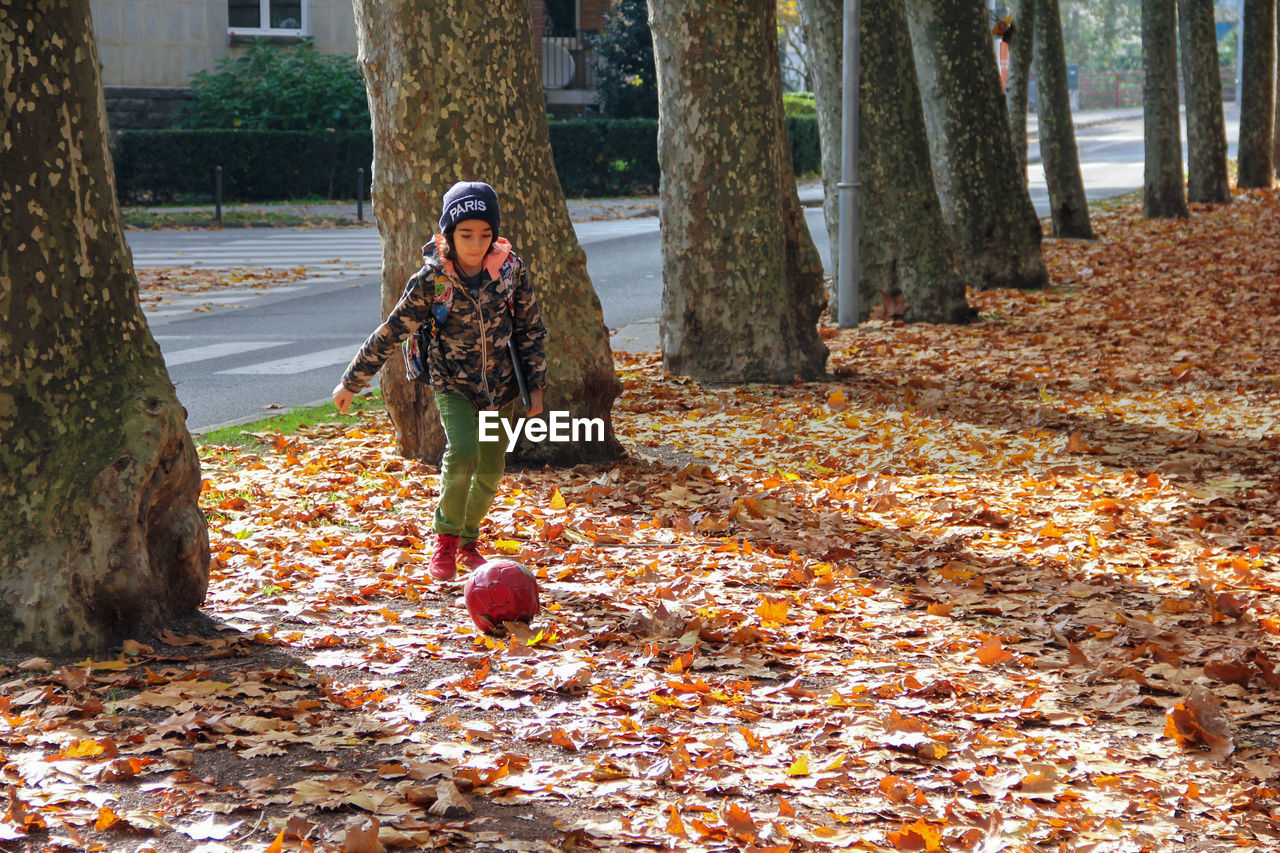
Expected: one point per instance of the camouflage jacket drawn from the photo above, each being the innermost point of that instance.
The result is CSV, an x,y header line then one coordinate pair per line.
x,y
468,354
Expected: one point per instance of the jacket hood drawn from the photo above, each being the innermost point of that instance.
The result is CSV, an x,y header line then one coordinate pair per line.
x,y
434,251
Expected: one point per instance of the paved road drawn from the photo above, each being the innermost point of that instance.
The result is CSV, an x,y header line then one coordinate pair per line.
x,y
244,355
241,355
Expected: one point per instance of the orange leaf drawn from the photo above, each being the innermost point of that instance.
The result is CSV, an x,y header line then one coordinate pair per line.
x,y
106,819
1052,531
675,826
918,836
773,611
993,652
557,499
89,749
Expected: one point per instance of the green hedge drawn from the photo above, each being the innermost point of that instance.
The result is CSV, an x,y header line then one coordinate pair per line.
x,y
806,150
606,156
257,165
594,157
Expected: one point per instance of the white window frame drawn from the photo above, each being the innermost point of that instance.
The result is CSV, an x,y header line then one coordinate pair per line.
x,y
264,14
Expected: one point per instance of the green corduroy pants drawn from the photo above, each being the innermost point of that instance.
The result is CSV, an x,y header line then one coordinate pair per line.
x,y
471,470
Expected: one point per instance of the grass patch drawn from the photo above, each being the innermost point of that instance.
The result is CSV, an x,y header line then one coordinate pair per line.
x,y
250,436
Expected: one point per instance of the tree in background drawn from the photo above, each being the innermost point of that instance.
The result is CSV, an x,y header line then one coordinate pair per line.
x,y
1161,130
1257,95
742,279
908,264
1067,203
454,90
1207,180
625,77
984,197
822,24
793,48
1103,35
277,88
1021,39
101,535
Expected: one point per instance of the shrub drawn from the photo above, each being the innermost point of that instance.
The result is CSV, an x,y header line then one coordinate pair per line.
x,y
806,149
273,88
593,157
601,157
799,103
262,165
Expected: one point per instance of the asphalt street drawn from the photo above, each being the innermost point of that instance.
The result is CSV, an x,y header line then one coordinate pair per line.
x,y
238,356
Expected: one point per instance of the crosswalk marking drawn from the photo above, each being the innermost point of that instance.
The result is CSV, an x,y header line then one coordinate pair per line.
x,y
355,250
187,356
297,363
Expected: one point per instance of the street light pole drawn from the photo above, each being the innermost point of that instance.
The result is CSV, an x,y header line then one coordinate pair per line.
x,y
847,287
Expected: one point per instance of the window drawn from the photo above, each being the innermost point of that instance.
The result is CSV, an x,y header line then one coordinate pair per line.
x,y
267,16
562,18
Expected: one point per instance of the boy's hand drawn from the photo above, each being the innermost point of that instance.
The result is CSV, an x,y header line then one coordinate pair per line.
x,y
535,402
342,398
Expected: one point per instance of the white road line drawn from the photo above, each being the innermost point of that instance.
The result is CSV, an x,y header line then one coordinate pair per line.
x,y
298,363
187,356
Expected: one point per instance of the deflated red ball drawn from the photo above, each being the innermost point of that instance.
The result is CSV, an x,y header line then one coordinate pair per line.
x,y
500,591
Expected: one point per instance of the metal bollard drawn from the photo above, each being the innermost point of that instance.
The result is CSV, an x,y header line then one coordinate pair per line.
x,y
217,193
360,195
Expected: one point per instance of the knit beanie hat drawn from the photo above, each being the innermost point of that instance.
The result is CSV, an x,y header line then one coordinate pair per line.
x,y
469,200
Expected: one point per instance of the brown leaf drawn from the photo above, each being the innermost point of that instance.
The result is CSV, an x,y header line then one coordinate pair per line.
x,y
1230,670
361,836
739,821
449,801
1199,720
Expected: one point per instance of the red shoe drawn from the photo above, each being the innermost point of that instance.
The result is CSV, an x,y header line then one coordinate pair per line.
x,y
444,558
471,557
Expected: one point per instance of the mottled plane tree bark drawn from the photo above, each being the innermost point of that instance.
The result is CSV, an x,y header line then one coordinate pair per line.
x,y
909,265
1207,180
101,535
743,285
1068,206
454,94
1257,95
1017,80
1163,194
985,199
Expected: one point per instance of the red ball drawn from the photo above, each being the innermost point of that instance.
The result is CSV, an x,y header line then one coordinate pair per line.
x,y
500,591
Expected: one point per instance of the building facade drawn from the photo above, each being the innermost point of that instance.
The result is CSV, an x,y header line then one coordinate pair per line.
x,y
150,48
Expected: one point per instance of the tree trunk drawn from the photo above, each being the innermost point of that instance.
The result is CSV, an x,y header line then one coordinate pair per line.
x,y
905,267
1162,173
984,198
1067,202
823,23
454,95
1257,95
101,535
742,280
1016,86
1207,180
